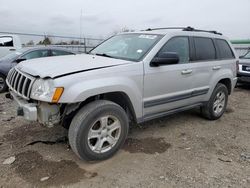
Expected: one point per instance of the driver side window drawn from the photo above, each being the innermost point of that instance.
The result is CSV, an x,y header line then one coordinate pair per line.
x,y
179,45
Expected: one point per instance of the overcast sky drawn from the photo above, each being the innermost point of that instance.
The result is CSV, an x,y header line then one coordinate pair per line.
x,y
102,17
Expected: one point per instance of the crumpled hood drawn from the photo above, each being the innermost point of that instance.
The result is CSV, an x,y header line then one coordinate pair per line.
x,y
52,67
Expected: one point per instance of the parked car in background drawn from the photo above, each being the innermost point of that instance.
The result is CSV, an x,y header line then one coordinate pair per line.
x,y
8,44
10,60
244,68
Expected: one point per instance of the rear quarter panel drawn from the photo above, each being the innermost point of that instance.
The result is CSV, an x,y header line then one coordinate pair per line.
x,y
228,70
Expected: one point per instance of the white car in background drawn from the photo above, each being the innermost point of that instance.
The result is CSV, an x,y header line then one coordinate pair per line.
x,y
8,44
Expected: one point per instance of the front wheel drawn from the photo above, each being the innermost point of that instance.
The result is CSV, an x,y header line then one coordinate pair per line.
x,y
217,103
3,85
98,130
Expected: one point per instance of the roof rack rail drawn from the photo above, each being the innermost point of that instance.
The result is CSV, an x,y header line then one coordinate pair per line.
x,y
161,28
184,29
200,30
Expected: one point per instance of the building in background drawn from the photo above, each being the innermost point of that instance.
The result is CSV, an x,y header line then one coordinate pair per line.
x,y
241,46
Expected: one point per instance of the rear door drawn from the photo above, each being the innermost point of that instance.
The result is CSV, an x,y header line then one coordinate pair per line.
x,y
205,58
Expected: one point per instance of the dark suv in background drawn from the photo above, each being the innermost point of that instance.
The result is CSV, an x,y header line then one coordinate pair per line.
x,y
10,60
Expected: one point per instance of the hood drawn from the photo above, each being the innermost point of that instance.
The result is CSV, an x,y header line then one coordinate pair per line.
x,y
245,61
52,67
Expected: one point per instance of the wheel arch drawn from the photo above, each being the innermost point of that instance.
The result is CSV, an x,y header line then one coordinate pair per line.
x,y
123,100
228,83
118,97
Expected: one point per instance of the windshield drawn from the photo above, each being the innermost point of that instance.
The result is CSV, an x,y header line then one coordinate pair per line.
x,y
13,55
247,56
127,46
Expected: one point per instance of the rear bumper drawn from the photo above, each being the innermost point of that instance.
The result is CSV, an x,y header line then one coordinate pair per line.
x,y
25,109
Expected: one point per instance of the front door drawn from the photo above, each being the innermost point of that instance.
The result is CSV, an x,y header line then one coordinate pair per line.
x,y
169,87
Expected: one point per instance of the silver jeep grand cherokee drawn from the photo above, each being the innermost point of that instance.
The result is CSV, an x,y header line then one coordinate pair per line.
x,y
130,78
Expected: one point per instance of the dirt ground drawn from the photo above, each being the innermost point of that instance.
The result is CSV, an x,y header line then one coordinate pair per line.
x,y
181,150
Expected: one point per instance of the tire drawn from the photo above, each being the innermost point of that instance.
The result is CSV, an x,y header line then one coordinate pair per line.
x,y
3,85
92,118
209,110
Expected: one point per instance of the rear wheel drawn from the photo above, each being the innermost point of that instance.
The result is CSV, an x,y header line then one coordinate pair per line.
x,y
3,85
217,104
98,130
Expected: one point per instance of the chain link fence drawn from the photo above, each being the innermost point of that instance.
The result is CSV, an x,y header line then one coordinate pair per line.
x,y
75,44
80,44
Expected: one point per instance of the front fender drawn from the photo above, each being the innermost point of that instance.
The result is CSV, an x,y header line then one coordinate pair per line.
x,y
80,91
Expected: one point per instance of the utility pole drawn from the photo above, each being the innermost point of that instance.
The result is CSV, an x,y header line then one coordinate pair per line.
x,y
80,28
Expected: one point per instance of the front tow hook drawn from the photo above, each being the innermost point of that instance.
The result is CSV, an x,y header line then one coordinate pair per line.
x,y
20,111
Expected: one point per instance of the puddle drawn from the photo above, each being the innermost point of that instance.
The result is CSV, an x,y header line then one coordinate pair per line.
x,y
229,110
146,145
31,167
182,135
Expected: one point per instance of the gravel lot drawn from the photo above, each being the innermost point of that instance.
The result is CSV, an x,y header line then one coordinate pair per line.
x,y
181,150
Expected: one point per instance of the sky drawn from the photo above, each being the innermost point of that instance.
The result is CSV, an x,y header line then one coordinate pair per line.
x,y
101,18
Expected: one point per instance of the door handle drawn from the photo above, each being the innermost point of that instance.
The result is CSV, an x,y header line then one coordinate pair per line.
x,y
186,71
12,49
216,67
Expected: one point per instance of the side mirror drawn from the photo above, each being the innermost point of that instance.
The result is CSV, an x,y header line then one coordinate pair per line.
x,y
242,56
19,60
165,58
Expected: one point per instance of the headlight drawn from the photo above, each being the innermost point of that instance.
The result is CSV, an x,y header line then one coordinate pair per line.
x,y
45,90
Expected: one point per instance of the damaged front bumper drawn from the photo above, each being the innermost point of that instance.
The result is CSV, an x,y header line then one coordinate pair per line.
x,y
25,109
45,113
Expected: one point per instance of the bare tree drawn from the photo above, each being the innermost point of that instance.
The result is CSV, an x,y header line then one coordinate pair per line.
x,y
30,43
45,41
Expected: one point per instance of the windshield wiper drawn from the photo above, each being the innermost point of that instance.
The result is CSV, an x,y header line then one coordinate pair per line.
x,y
104,55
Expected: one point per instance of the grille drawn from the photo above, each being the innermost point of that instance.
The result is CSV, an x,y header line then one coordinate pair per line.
x,y
246,68
19,82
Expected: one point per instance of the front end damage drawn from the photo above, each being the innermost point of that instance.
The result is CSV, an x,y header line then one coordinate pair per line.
x,y
43,112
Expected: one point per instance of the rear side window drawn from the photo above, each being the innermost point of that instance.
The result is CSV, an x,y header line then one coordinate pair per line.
x,y
224,49
6,42
205,49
